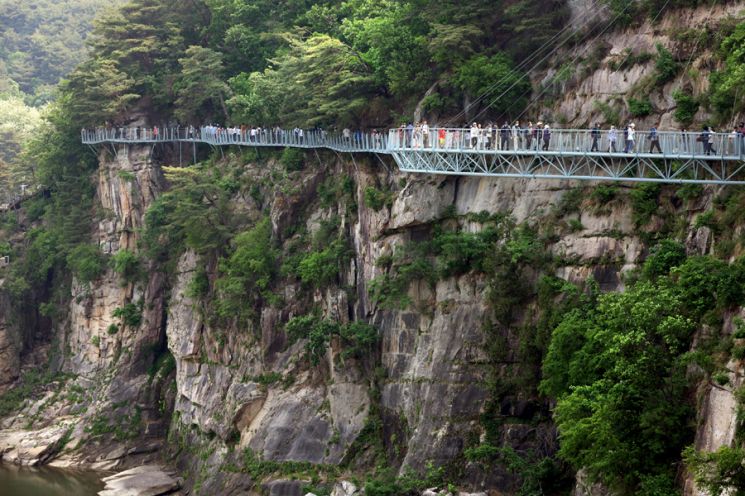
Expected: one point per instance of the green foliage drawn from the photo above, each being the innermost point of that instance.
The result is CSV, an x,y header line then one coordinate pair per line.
x,y
122,427
620,382
43,40
628,59
127,265
358,338
18,123
200,88
385,482
390,290
689,191
162,366
725,92
611,114
570,202
245,275
258,468
293,159
686,107
706,283
663,257
320,80
644,202
481,73
666,68
603,194
199,286
196,212
639,108
86,262
376,199
320,268
720,472
706,219
29,386
130,315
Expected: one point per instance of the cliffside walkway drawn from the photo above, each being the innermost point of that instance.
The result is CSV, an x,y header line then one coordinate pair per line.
x,y
567,155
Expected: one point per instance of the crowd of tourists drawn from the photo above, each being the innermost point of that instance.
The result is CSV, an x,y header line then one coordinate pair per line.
x,y
538,136
489,136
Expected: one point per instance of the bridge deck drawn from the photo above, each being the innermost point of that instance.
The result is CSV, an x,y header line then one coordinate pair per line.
x,y
681,157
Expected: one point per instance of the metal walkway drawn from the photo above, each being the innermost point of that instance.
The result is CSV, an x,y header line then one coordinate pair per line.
x,y
681,157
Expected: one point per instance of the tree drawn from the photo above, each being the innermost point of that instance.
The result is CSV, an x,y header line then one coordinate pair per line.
x,y
508,89
143,40
200,87
619,375
319,81
102,92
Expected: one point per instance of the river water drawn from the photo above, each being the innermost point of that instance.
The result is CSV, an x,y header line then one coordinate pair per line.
x,y
16,481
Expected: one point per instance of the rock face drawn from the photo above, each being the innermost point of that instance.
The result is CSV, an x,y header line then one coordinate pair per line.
x,y
10,364
33,448
104,360
246,393
589,76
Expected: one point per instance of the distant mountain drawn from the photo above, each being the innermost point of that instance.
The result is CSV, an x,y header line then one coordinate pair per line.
x,y
42,40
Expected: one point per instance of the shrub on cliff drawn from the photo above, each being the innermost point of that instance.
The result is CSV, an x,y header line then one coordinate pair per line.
x,y
663,257
357,338
127,265
86,262
246,274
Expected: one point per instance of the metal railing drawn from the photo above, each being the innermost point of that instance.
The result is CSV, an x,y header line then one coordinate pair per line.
x,y
563,142
344,142
571,142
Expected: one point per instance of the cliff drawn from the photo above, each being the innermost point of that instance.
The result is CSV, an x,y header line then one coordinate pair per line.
x,y
422,395
274,323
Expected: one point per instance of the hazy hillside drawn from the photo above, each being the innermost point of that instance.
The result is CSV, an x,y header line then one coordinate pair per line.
x,y
43,40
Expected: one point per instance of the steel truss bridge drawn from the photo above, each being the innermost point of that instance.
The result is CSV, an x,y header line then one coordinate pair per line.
x,y
716,158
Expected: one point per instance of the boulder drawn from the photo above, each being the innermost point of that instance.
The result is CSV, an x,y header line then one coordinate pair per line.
x,y
344,488
148,480
32,447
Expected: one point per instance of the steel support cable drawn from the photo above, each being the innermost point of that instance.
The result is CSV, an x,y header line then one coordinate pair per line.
x,y
533,100
574,60
540,62
523,64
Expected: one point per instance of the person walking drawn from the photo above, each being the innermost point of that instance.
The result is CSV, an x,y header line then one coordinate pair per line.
x,y
654,140
425,135
529,135
612,138
537,134
595,134
516,131
631,138
546,137
504,135
474,135
732,142
711,136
